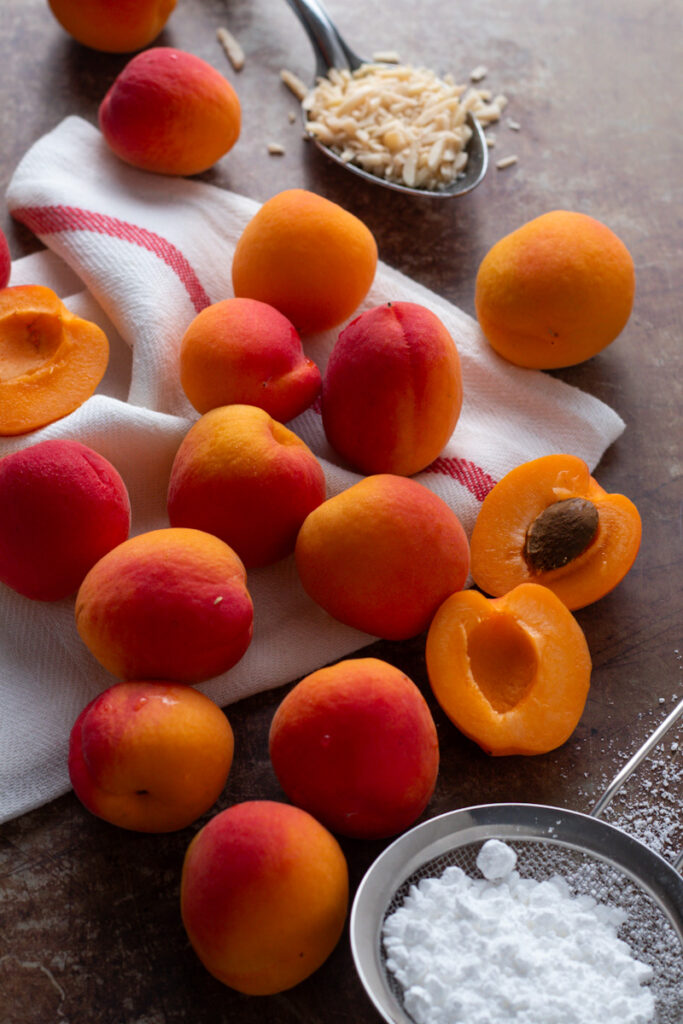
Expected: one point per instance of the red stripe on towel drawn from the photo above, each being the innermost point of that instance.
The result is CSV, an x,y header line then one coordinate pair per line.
x,y
47,220
477,481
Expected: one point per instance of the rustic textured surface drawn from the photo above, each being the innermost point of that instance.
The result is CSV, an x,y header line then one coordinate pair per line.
x,y
89,922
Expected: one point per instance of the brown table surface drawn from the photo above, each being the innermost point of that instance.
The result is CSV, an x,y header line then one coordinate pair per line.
x,y
89,921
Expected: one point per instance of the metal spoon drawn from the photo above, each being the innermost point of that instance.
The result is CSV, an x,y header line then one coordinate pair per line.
x,y
331,51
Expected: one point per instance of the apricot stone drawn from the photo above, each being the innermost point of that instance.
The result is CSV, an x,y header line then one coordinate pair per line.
x,y
246,478
113,26
201,113
356,746
150,756
392,391
264,895
242,351
382,555
170,604
62,507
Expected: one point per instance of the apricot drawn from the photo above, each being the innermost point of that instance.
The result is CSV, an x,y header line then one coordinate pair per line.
x,y
264,895
170,112
548,521
241,475
62,507
392,390
150,756
50,359
170,604
382,555
513,672
5,261
308,257
241,351
556,291
113,26
355,745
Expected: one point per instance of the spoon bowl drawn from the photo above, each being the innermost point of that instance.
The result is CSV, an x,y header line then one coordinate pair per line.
x,y
331,51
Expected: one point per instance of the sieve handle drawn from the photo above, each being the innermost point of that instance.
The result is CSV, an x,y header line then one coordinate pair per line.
x,y
621,777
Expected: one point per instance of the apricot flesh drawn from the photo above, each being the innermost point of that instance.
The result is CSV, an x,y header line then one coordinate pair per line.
x,y
392,390
62,507
355,745
512,673
50,359
264,895
150,756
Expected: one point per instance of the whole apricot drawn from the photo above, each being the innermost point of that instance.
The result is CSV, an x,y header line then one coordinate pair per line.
x,y
308,257
150,756
355,745
556,291
169,604
392,390
382,555
51,360
62,507
241,475
5,261
170,112
241,351
113,26
264,895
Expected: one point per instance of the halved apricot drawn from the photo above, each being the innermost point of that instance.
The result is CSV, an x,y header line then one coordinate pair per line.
x,y
513,672
549,522
50,359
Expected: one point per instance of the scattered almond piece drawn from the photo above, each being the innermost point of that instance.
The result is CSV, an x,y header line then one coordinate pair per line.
x,y
386,57
275,149
233,50
291,117
490,141
294,83
507,161
513,125
478,73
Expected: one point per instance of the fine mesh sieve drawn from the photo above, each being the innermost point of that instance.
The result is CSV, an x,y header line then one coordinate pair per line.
x,y
594,857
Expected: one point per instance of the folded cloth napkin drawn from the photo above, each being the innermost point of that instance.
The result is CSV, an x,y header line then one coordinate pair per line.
x,y
141,255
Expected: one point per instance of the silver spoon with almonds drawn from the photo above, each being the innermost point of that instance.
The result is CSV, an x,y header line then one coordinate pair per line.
x,y
426,141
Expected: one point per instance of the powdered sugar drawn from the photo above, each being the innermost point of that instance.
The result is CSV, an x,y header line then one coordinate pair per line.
x,y
510,949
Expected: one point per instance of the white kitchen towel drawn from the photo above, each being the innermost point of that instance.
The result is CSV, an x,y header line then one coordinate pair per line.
x,y
141,255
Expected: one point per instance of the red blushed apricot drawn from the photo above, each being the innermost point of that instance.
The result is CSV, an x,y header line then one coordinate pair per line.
x,y
512,673
113,26
62,507
548,521
170,112
264,895
246,478
50,359
355,745
5,261
150,756
392,390
382,555
241,351
170,604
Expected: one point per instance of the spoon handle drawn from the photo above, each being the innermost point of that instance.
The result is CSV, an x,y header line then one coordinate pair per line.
x,y
330,49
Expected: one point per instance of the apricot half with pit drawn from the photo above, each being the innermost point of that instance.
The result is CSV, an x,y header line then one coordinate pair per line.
x,y
513,672
50,359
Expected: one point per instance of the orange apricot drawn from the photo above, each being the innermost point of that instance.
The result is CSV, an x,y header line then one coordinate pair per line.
x,y
150,756
264,894
244,477
50,359
241,351
392,389
556,291
113,26
201,113
62,507
355,745
308,257
513,672
548,521
382,555
169,604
